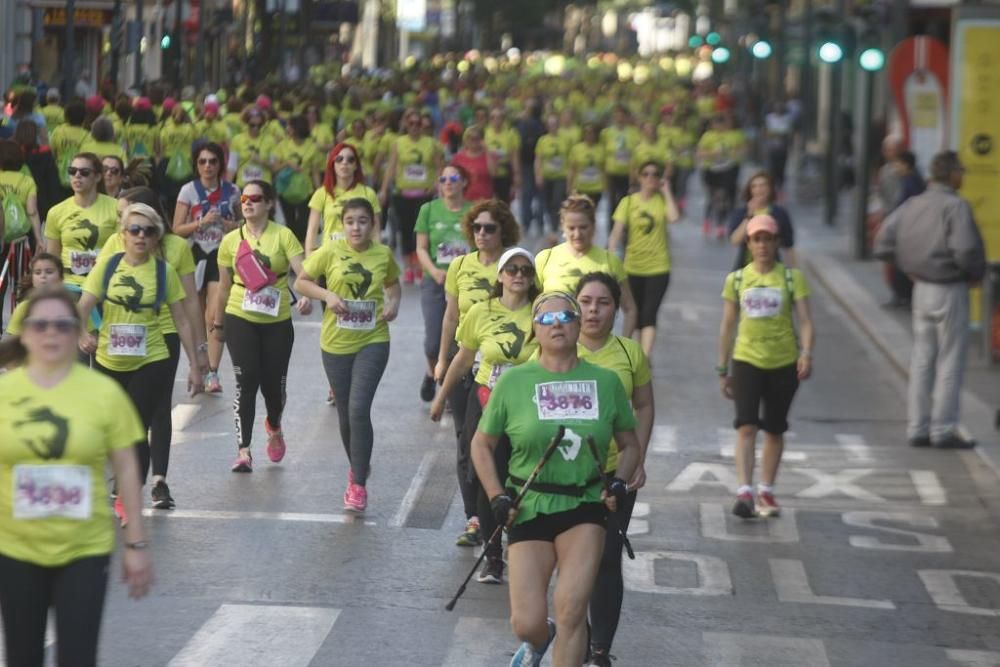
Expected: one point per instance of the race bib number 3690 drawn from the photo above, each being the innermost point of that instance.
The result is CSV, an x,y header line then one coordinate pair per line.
x,y
43,491
567,400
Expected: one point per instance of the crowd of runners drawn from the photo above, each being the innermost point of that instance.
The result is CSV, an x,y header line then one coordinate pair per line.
x,y
138,227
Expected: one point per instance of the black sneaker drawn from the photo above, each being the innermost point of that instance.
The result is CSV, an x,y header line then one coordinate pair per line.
x,y
427,389
744,506
161,496
598,658
954,441
492,572
920,441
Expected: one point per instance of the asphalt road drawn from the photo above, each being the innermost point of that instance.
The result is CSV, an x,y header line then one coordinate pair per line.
x,y
884,555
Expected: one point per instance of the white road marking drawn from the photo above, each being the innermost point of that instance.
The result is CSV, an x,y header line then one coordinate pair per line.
x,y
943,588
713,526
181,437
792,585
483,642
830,484
929,487
413,493
855,446
639,525
970,658
267,516
258,635
727,649
663,440
713,574
694,474
183,414
924,543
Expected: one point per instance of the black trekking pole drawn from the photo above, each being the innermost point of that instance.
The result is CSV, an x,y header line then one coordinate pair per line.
x,y
612,516
517,503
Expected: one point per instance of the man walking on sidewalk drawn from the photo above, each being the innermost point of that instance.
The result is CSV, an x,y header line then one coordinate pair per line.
x,y
933,238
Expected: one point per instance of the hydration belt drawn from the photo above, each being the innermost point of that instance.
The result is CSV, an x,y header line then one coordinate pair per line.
x,y
557,489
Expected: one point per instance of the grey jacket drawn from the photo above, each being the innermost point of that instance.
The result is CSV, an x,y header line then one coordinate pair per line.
x,y
932,237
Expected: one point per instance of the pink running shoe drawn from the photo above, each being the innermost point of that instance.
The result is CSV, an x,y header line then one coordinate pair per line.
x,y
355,498
767,505
408,276
275,442
242,464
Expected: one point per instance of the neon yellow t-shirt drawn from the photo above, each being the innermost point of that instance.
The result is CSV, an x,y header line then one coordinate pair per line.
x,y
82,233
323,136
332,208
216,131
359,278
625,357
17,184
304,155
499,335
60,437
234,122
619,142
176,138
560,269
253,158
274,249
16,324
553,154
54,116
415,163
505,144
66,139
588,163
103,149
766,335
141,139
647,252
131,334
470,281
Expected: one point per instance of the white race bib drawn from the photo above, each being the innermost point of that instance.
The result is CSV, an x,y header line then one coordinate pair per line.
x,y
761,302
46,491
449,252
266,301
415,172
498,370
567,400
590,175
360,316
555,163
127,340
622,156
338,236
252,172
81,262
209,238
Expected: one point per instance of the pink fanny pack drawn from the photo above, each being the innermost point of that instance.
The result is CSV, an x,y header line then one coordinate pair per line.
x,y
255,276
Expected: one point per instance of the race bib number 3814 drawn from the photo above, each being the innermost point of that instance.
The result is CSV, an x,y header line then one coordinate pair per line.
x,y
567,400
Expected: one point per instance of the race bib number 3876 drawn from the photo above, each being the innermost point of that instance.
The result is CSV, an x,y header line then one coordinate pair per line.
x,y
567,400
43,491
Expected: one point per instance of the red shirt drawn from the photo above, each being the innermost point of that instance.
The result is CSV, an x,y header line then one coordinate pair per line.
x,y
480,181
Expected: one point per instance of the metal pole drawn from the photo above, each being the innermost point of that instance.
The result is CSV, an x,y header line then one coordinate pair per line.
x,y
863,163
179,38
199,66
117,33
69,57
808,92
138,44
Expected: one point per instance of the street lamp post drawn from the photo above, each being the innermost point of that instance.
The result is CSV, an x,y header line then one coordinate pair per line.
x,y
140,36
69,57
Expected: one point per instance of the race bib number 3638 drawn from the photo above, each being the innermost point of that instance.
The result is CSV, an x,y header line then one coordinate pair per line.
x,y
44,491
567,400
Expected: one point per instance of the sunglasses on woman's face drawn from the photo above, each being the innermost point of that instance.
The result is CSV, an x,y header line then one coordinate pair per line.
x,y
342,159
208,160
488,228
526,270
147,232
63,325
454,178
650,174
560,316
255,199
112,171
255,126
84,172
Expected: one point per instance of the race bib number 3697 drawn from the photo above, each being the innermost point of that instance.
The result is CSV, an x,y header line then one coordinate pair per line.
x,y
567,400
43,491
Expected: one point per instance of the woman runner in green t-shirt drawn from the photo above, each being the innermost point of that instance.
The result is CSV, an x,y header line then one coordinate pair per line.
x,y
560,521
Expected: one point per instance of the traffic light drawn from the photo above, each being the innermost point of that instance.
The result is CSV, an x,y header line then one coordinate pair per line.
x,y
872,59
831,52
165,42
695,41
713,39
720,55
829,38
761,49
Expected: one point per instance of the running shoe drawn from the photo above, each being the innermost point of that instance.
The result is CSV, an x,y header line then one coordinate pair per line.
x,y
355,498
161,496
743,507
598,658
275,442
767,505
213,385
119,509
528,656
492,572
408,276
427,389
243,464
331,398
471,536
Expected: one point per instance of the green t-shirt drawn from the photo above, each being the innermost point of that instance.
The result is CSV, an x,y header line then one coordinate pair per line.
x,y
529,403
470,281
131,334
274,249
446,240
359,278
647,251
559,269
499,335
766,335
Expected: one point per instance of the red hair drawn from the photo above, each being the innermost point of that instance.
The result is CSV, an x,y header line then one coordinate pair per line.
x,y
330,177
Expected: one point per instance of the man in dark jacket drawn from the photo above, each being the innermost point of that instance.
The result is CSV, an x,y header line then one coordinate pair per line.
x,y
934,239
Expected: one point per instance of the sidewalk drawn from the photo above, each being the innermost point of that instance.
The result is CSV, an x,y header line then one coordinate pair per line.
x,y
858,286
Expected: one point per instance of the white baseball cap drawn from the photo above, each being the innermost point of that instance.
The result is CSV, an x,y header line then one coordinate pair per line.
x,y
511,253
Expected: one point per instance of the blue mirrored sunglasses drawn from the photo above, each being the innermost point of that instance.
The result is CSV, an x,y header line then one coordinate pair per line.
x,y
562,316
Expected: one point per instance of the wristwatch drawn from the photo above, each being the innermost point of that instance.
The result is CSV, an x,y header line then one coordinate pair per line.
x,y
722,370
142,544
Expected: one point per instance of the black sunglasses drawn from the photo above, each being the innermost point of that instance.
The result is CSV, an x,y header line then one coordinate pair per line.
x,y
208,160
85,172
63,325
148,232
488,228
526,270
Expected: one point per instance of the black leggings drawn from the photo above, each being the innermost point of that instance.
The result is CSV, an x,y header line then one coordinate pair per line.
x,y
76,590
162,426
260,354
465,411
618,187
606,598
296,218
763,397
502,188
553,195
146,387
407,210
648,292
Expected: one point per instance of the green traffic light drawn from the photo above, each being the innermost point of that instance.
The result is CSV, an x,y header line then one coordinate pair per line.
x,y
720,55
831,53
872,59
761,49
165,42
695,41
713,38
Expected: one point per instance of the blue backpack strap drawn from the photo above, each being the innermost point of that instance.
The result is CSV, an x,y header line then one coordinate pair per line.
x,y
109,270
202,195
161,285
226,197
